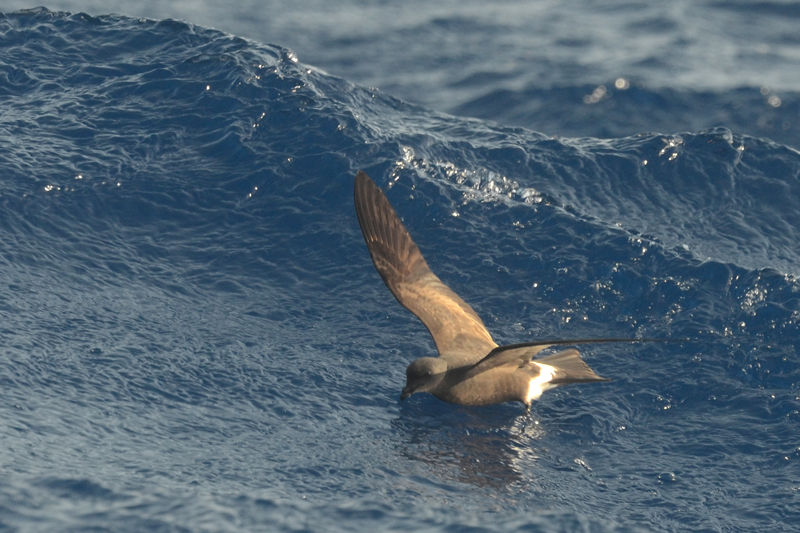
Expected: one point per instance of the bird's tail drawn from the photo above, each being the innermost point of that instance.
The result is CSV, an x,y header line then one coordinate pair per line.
x,y
569,368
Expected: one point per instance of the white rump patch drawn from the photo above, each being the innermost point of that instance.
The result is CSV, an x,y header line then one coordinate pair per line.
x,y
540,383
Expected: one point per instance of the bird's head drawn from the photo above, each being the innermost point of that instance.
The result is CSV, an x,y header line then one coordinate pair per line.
x,y
423,375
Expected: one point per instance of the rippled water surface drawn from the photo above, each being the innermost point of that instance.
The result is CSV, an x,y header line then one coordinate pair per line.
x,y
193,337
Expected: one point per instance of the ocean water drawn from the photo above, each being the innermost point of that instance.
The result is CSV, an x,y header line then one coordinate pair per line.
x,y
193,337
684,65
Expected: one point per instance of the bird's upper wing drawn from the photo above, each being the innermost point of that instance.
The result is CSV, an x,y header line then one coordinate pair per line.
x,y
519,354
457,330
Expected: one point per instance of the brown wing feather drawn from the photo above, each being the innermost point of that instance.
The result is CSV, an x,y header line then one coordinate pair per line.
x,y
457,330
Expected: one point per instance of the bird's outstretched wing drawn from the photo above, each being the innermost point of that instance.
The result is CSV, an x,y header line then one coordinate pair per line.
x,y
522,353
457,330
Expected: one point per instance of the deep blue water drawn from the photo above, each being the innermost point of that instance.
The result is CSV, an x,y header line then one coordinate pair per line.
x,y
193,337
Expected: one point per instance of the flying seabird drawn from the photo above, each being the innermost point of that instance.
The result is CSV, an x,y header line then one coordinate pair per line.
x,y
471,368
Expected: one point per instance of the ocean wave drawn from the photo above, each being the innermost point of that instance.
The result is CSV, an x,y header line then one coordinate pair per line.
x,y
194,335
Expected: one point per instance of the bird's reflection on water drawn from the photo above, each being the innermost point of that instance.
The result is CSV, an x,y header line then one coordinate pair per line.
x,y
486,447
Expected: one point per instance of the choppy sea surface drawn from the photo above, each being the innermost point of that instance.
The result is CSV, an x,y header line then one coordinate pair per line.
x,y
193,337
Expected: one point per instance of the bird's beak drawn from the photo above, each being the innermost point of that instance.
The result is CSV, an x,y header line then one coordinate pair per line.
x,y
406,393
